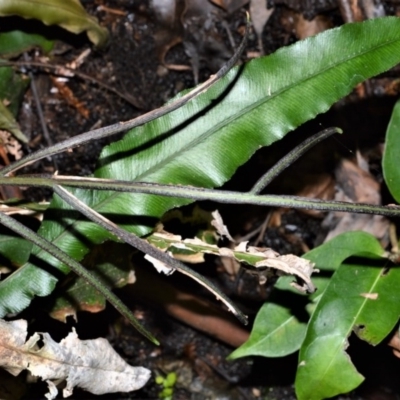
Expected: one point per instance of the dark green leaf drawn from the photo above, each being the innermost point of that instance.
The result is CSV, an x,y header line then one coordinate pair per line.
x,y
204,142
12,89
390,162
8,123
362,296
276,333
267,338
111,264
14,43
15,249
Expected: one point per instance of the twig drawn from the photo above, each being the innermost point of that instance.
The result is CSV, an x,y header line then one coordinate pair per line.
x,y
58,70
147,248
39,110
291,157
264,227
188,192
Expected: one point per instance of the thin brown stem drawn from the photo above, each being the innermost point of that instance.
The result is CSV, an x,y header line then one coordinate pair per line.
x,y
61,70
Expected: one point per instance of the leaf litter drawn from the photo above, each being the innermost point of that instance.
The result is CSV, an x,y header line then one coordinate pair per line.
x,y
354,183
92,365
262,259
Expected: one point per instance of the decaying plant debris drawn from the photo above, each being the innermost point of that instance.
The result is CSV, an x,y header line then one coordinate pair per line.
x,y
261,259
92,365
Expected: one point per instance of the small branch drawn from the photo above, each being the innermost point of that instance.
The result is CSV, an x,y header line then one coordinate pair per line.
x,y
290,158
146,248
39,109
188,192
123,126
50,248
58,70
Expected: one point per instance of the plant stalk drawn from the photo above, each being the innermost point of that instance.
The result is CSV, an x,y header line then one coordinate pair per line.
x,y
189,192
290,158
147,248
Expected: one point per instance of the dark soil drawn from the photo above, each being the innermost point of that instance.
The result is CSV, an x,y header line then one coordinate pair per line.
x,y
130,65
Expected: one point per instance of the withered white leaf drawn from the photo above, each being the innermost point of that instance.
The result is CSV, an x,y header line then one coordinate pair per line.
x,y
218,224
257,257
92,365
160,266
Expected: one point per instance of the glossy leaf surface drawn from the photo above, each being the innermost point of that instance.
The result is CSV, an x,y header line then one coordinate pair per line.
x,y
14,249
390,162
361,297
276,333
205,141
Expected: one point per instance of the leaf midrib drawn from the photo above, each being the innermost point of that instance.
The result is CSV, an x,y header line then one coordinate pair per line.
x,y
340,347
209,132
247,109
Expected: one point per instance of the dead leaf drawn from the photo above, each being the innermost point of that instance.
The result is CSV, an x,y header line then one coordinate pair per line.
x,y
230,5
305,28
259,17
194,24
291,265
12,146
218,224
160,266
92,365
395,343
356,185
67,94
263,259
318,186
170,31
230,265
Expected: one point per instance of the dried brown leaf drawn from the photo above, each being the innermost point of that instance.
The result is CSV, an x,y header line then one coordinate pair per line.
x,y
230,5
259,16
291,265
194,24
356,185
12,146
